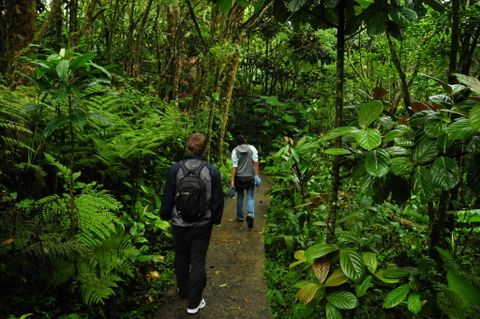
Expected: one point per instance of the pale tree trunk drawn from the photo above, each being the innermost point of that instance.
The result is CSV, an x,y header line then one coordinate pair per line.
x,y
332,213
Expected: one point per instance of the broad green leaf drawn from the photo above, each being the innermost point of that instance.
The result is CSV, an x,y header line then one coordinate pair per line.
x,y
394,272
364,4
459,130
379,275
401,165
474,118
436,5
319,250
370,260
422,183
352,264
82,60
414,303
465,289
362,288
307,292
471,82
404,142
393,134
224,5
300,257
343,300
337,278
434,128
332,312
337,132
369,112
425,151
443,143
403,16
398,151
452,304
377,163
445,173
368,138
63,70
321,268
396,296
337,151
288,118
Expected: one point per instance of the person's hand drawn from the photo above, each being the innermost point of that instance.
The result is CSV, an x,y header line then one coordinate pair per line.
x,y
258,181
231,191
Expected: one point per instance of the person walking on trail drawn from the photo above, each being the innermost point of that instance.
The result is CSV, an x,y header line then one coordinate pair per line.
x,y
245,171
193,201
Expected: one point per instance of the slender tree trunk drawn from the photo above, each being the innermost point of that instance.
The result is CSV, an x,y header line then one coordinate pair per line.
x,y
452,66
72,18
401,73
136,53
332,213
469,43
74,37
173,65
437,223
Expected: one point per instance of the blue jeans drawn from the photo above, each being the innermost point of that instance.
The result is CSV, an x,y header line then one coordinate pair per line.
x,y
250,202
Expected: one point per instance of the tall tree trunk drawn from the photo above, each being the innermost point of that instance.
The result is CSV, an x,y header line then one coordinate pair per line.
x,y
452,66
72,18
136,53
469,43
58,41
173,65
20,21
401,73
332,213
3,36
437,223
87,20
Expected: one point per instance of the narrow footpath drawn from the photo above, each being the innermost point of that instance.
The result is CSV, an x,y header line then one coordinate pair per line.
x,y
236,287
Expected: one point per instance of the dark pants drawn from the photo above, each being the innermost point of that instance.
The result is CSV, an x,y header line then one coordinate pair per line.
x,y
191,245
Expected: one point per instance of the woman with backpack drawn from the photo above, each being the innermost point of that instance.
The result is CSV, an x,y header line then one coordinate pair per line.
x,y
193,200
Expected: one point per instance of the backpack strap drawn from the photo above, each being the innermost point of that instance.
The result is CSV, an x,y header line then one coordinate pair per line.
x,y
186,171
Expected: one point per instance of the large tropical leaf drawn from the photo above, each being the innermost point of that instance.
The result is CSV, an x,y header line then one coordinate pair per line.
x,y
474,118
337,132
368,138
362,288
462,287
401,165
343,300
369,112
471,82
370,260
396,296
422,183
403,16
377,163
352,264
425,151
460,130
319,250
445,173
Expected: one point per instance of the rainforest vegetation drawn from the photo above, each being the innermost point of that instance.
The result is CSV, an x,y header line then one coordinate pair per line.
x,y
366,114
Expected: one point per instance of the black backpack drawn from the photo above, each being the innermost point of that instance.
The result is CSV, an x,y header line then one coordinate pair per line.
x,y
191,197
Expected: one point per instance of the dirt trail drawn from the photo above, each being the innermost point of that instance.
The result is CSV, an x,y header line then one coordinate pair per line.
x,y
236,287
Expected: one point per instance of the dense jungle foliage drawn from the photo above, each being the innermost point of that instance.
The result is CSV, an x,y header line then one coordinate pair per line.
x,y
366,114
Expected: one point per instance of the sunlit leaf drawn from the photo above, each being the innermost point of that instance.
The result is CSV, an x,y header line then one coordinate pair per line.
x,y
337,151
471,82
379,275
337,132
343,300
369,112
370,260
63,70
368,138
319,250
414,303
396,296
337,278
474,118
425,151
423,183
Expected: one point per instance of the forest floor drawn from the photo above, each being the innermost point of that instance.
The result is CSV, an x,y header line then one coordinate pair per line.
x,y
236,287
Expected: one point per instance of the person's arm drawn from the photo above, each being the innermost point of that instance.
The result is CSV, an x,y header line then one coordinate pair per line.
x,y
232,180
168,201
217,201
234,168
